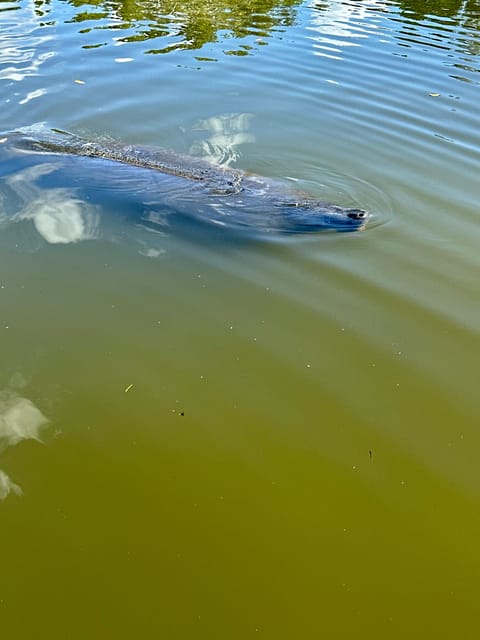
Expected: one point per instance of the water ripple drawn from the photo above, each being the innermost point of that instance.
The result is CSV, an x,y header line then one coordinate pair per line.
x,y
22,54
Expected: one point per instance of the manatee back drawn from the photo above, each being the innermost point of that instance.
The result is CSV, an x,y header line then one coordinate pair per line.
x,y
218,180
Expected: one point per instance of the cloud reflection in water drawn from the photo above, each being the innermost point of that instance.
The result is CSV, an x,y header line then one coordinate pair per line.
x,y
20,420
57,214
227,131
60,218
7,486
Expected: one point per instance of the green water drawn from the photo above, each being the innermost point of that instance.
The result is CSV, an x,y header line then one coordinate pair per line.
x,y
278,439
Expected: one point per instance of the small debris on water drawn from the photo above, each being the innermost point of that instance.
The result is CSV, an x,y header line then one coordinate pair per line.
x,y
127,389
434,95
79,81
370,453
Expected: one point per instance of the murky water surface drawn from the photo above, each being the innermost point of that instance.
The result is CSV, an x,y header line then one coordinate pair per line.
x,y
216,435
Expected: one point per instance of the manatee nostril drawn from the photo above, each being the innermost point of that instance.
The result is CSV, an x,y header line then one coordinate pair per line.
x,y
357,214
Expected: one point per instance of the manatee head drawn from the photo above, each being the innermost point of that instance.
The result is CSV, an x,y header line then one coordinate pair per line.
x,y
313,215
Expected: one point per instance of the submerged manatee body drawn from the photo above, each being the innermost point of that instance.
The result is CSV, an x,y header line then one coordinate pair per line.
x,y
208,192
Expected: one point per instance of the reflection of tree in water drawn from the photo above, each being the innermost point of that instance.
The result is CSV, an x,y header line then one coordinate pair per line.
x,y
472,22
463,13
192,23
189,24
418,9
42,7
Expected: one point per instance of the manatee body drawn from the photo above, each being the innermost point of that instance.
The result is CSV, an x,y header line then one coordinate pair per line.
x,y
193,187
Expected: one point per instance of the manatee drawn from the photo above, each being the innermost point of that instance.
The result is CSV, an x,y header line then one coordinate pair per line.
x,y
196,188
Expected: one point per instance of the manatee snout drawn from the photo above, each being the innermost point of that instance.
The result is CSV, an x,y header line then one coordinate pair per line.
x,y
357,214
